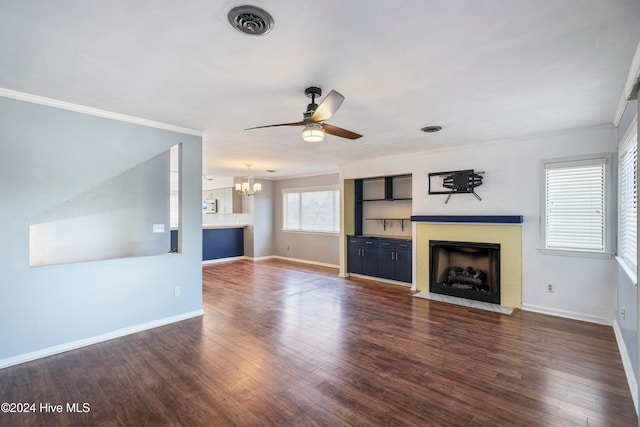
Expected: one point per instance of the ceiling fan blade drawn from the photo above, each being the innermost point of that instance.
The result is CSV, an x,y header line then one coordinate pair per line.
x,y
301,123
343,133
327,107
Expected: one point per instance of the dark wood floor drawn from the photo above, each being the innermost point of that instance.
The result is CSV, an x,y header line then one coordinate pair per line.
x,y
289,344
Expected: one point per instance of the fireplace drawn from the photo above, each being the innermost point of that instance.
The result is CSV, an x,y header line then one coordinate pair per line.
x,y
465,269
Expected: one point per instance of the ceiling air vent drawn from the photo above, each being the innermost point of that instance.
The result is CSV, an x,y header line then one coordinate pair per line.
x,y
250,20
431,129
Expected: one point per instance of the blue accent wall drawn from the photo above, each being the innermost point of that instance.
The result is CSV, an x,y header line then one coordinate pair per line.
x,y
222,243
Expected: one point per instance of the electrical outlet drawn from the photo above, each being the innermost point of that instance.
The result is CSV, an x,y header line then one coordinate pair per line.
x,y
158,228
550,287
622,313
288,247
176,291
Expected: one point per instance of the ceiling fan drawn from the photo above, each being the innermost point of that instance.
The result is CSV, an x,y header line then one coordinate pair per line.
x,y
316,115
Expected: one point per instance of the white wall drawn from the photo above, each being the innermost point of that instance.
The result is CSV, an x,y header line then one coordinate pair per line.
x,y
585,288
258,234
314,247
47,156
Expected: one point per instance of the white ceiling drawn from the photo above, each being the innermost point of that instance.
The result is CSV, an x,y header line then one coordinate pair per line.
x,y
484,70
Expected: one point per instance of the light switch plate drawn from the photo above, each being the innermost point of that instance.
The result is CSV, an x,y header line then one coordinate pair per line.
x,y
158,228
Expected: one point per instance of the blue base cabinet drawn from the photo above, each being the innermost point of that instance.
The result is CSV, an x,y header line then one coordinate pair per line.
x,y
380,257
362,255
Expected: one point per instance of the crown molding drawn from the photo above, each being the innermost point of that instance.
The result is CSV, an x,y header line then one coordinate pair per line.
x,y
49,102
305,175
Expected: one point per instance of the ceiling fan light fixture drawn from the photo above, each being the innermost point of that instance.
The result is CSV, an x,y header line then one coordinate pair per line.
x,y
313,132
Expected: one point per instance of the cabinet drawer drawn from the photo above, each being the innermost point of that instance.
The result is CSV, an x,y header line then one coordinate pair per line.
x,y
406,245
369,242
356,240
395,244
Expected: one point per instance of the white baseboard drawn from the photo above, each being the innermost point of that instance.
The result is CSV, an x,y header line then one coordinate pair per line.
x,y
260,258
305,261
567,314
50,351
264,258
218,260
626,362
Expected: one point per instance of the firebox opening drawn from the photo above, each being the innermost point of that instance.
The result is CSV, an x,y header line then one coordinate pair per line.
x,y
465,269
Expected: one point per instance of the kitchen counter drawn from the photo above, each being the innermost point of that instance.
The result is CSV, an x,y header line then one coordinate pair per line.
x,y
214,226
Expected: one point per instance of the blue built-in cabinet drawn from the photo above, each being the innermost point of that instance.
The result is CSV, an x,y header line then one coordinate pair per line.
x,y
218,243
380,257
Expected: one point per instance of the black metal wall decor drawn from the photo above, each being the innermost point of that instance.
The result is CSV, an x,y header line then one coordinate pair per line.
x,y
454,182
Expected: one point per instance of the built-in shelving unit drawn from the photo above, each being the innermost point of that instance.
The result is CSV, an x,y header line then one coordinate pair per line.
x,y
384,221
378,247
385,189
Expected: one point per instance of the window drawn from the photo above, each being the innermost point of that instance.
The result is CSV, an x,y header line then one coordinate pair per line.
x,y
312,209
628,199
575,201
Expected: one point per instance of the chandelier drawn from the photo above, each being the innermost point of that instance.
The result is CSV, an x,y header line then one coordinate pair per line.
x,y
248,187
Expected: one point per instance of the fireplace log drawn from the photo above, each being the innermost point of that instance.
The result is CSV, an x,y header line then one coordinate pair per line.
x,y
467,276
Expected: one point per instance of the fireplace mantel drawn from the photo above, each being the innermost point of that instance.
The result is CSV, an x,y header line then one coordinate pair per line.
x,y
483,219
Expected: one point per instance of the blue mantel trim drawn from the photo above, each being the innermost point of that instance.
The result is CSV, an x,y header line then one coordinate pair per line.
x,y
489,219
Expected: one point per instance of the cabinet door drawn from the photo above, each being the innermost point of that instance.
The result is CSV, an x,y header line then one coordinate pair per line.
x,y
403,266
386,263
207,195
354,258
370,260
226,201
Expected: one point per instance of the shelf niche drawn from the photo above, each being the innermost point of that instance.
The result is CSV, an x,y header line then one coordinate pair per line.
x,y
383,200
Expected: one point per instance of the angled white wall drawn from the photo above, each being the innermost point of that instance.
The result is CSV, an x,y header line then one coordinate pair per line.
x,y
116,215
47,156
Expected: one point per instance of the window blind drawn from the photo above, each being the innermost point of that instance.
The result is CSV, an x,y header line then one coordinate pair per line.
x,y
312,210
628,202
575,206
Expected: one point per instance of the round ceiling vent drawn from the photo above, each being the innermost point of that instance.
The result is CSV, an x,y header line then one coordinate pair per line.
x,y
250,20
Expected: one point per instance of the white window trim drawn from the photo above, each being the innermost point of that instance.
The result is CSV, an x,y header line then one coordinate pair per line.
x,y
609,233
310,189
632,275
630,271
